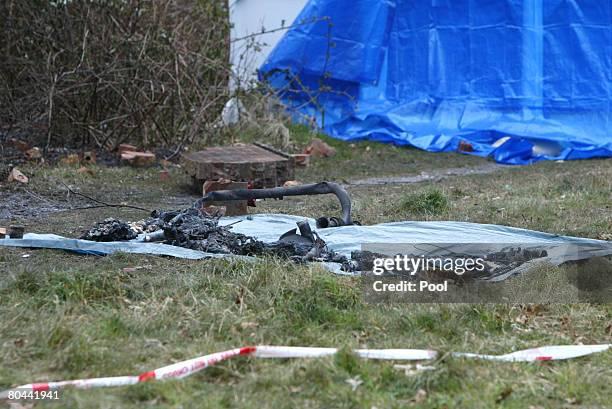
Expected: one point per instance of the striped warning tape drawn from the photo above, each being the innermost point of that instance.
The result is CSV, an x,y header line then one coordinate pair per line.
x,y
186,368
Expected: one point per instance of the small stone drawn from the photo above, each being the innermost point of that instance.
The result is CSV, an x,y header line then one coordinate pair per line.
x,y
317,147
33,154
138,159
124,147
16,176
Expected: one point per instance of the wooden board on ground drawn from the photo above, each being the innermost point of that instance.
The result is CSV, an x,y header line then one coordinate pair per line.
x,y
256,163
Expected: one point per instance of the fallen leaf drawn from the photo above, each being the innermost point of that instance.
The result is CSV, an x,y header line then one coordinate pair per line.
x,y
564,320
17,176
245,325
354,382
533,309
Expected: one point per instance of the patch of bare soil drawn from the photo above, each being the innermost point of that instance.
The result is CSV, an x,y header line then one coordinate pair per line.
x,y
433,175
24,203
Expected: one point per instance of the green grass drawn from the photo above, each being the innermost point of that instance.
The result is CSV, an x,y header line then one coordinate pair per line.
x,y
362,159
66,316
57,326
430,203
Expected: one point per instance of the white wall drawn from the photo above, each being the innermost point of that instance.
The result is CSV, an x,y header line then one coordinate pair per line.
x,y
248,17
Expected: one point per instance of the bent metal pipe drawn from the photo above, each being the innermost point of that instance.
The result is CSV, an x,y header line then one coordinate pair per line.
x,y
321,188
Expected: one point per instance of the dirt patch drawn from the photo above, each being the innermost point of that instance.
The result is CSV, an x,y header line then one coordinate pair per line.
x,y
25,203
432,175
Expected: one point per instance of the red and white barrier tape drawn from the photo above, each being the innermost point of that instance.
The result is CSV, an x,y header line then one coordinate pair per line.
x,y
186,368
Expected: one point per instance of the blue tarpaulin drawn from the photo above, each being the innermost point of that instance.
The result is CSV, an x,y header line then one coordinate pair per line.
x,y
517,80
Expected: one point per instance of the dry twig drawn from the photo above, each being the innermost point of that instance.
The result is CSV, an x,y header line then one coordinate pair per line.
x,y
102,203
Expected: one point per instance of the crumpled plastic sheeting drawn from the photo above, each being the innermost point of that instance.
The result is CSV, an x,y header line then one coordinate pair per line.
x,y
470,238
53,241
269,227
344,239
519,81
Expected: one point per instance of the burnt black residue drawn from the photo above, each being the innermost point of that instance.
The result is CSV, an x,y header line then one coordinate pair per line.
x,y
110,230
193,229
517,255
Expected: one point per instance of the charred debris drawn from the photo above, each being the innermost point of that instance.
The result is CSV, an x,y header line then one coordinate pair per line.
x,y
194,229
197,229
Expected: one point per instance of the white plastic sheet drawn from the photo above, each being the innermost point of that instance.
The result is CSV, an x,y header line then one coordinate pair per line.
x,y
269,227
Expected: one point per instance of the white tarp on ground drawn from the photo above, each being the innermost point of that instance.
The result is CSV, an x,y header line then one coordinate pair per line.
x,y
250,17
269,227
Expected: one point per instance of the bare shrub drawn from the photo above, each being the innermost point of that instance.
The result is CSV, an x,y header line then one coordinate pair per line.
x,y
104,72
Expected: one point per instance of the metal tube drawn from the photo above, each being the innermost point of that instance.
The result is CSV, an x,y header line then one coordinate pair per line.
x,y
321,188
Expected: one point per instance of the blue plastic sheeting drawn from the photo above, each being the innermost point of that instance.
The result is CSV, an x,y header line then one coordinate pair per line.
x,y
269,227
445,74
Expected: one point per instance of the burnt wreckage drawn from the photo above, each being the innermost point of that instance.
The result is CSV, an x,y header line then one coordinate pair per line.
x,y
194,229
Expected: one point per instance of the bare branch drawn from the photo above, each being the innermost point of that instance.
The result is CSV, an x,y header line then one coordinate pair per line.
x,y
104,204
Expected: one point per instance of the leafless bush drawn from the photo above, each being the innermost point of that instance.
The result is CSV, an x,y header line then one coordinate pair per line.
x,y
104,72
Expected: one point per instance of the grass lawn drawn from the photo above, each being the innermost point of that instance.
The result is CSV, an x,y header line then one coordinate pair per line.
x,y
67,316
